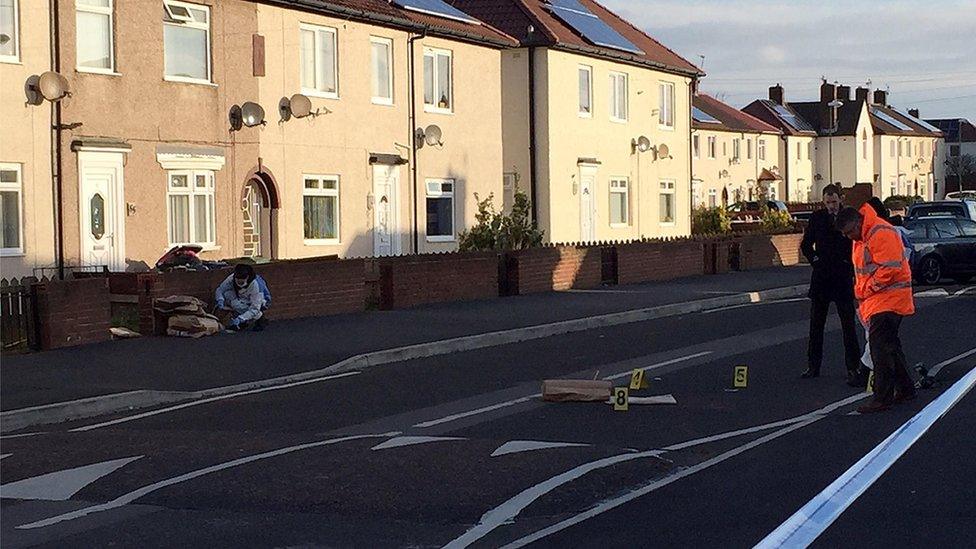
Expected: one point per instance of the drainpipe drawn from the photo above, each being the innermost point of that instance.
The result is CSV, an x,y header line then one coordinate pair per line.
x,y
411,83
56,134
532,151
693,85
786,167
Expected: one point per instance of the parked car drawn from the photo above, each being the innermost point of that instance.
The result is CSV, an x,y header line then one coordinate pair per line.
x,y
961,195
944,246
964,209
744,212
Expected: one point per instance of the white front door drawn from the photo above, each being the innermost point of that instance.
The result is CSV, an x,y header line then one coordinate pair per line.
x,y
587,204
101,203
386,238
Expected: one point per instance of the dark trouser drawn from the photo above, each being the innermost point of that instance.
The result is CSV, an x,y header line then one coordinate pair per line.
x,y
890,367
818,319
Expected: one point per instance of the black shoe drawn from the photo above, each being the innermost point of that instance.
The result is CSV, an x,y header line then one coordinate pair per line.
x,y
810,373
857,378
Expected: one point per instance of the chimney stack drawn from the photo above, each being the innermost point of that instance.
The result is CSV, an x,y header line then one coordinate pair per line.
x,y
828,92
776,94
863,94
913,113
844,93
881,97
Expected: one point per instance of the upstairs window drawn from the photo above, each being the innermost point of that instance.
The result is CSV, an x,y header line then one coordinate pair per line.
x,y
736,149
695,146
94,45
318,61
381,52
748,149
618,97
438,76
9,31
585,91
186,41
665,116
761,149
711,147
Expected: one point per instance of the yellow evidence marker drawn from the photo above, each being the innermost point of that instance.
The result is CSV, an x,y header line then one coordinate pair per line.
x,y
621,399
637,380
870,388
741,377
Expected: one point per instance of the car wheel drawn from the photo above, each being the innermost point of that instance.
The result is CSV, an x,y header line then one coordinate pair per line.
x,y
930,270
962,279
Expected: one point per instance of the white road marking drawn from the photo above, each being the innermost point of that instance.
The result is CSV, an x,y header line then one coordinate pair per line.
x,y
145,490
958,293
655,485
23,435
5,455
741,305
207,401
411,441
938,367
514,401
516,446
806,525
936,292
61,485
511,508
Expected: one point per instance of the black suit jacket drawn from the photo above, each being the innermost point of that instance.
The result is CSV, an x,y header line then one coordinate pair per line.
x,y
829,253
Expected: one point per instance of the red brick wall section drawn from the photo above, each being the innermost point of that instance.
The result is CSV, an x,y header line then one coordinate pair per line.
x,y
763,251
73,312
414,280
646,261
554,268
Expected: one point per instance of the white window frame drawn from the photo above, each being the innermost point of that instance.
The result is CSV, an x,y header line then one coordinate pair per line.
x,y
620,185
864,144
749,149
696,146
15,58
17,187
317,31
712,148
799,150
168,4
712,198
736,150
435,74
191,191
98,10
615,100
761,149
665,118
440,193
388,42
901,148
589,85
666,187
322,191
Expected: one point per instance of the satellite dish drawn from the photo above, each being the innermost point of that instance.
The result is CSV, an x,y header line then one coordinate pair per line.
x,y
300,105
433,135
252,114
33,94
284,109
52,86
642,144
663,151
236,118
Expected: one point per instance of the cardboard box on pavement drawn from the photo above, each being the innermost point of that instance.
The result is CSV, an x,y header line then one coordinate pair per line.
x,y
576,390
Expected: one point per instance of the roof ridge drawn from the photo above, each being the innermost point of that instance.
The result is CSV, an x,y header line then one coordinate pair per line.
x,y
764,126
649,37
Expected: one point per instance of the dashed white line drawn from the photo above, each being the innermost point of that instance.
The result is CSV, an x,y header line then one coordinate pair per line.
x,y
411,441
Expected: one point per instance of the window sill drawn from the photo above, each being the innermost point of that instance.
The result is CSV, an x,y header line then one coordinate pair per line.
x,y
382,102
206,247
665,128
12,252
668,223
180,80
321,242
619,225
619,120
319,94
11,61
435,110
586,115
103,72
441,239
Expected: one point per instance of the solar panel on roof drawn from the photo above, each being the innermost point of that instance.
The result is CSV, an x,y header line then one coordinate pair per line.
x,y
702,116
591,27
919,121
890,119
438,8
792,119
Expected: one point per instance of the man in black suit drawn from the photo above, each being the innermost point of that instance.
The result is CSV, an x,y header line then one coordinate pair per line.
x,y
829,253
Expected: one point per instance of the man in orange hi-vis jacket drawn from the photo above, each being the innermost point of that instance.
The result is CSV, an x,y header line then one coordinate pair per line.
x,y
883,285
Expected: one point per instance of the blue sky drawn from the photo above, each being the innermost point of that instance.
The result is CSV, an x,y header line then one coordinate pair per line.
x,y
924,52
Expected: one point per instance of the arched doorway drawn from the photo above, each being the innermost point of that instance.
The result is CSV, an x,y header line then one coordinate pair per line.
x,y
259,200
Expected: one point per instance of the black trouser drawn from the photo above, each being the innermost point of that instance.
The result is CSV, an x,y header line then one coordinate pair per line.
x,y
890,367
818,319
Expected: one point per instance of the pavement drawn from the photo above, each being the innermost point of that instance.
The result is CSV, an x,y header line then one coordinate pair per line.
x,y
458,450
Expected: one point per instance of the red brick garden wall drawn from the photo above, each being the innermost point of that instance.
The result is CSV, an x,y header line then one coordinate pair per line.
x,y
647,261
414,280
763,251
553,268
72,312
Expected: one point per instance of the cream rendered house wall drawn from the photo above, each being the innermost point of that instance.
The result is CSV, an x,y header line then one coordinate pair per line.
x,y
842,160
799,173
741,175
565,137
25,140
905,169
340,140
515,120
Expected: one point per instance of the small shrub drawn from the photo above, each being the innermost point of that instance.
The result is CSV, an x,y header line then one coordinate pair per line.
x,y
775,220
495,230
706,220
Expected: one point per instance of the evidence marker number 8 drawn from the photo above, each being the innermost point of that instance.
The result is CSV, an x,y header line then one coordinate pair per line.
x,y
621,399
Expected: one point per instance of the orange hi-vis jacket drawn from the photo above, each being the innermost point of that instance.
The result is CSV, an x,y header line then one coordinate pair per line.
x,y
883,277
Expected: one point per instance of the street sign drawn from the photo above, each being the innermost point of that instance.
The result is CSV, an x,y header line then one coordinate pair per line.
x,y
637,380
621,399
741,377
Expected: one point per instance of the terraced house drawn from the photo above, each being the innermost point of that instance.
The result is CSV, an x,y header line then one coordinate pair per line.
x,y
734,155
278,128
596,120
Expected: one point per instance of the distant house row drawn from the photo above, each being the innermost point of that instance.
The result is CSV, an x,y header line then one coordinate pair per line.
x,y
298,128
